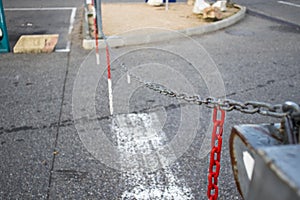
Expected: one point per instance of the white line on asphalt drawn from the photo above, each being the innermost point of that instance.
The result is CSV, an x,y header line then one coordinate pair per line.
x,y
66,50
72,19
139,134
289,3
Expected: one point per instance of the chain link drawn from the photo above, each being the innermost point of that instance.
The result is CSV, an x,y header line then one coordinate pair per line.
x,y
248,107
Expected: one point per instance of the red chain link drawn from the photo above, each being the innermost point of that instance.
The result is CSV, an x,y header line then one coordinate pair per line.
x,y
215,154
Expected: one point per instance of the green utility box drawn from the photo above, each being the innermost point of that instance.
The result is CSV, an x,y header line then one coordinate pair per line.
x,y
4,43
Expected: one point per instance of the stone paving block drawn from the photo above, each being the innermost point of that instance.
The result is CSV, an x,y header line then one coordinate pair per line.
x,y
36,43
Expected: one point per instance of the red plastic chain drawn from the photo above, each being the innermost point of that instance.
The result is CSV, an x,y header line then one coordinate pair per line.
x,y
215,154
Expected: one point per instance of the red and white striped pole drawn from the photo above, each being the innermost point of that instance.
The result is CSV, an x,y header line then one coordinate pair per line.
x,y
110,95
96,33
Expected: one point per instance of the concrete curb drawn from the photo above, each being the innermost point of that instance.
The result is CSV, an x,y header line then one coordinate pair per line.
x,y
147,35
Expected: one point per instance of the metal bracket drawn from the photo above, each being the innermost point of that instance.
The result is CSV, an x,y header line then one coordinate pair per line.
x,y
291,123
263,166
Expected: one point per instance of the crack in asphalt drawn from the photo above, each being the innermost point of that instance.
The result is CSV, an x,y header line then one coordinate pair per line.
x,y
268,82
70,122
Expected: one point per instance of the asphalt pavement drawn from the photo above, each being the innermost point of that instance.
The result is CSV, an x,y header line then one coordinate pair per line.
x,y
47,146
286,11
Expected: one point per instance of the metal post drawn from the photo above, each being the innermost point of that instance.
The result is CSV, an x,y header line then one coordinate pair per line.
x,y
99,18
4,43
167,5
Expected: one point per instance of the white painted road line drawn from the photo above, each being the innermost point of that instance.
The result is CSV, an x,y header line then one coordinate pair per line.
x,y
72,20
137,134
289,3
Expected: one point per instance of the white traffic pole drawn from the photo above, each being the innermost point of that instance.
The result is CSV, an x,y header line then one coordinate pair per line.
x,y
98,24
167,5
110,95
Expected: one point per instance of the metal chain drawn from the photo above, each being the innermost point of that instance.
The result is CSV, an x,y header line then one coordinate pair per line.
x,y
220,106
215,154
248,107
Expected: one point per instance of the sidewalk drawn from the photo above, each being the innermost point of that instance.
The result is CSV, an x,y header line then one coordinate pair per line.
x,y
140,15
138,23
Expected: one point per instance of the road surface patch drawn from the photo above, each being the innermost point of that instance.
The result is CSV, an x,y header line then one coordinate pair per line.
x,y
141,134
